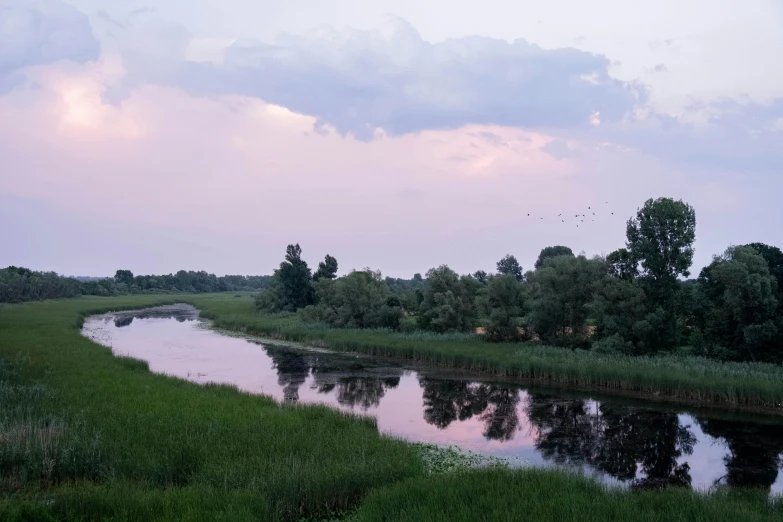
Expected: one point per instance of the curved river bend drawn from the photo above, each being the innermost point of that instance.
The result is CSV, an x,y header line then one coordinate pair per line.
x,y
618,440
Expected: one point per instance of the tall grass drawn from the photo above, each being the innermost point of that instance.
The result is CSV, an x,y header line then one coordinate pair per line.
x,y
108,434
88,436
551,496
669,377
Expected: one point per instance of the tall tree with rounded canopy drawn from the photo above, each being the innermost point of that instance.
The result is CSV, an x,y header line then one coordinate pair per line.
x,y
510,265
552,251
660,242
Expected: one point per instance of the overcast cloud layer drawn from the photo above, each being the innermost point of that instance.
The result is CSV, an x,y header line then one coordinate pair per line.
x,y
373,144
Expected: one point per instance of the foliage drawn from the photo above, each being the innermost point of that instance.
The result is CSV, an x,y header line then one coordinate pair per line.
x,y
560,294
510,265
660,240
695,379
358,300
621,265
22,284
327,269
552,251
448,302
291,287
740,300
504,298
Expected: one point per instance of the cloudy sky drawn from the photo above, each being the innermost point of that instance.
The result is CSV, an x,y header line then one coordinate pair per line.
x,y
397,135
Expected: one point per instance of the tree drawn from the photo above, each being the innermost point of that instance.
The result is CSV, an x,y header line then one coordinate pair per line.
x,y
327,269
550,252
774,258
124,276
560,294
358,300
621,265
510,265
291,286
739,322
504,298
660,242
481,276
448,301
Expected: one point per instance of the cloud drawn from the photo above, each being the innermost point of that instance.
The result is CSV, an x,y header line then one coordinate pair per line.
x,y
38,32
660,68
357,81
727,135
558,149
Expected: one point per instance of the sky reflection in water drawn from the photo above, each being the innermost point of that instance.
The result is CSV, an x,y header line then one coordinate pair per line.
x,y
619,441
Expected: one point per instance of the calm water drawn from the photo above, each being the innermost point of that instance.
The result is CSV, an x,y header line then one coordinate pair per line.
x,y
617,440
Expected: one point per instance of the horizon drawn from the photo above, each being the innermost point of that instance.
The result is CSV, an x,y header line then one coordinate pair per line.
x,y
204,138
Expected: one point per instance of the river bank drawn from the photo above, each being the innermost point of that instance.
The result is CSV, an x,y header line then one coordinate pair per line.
x,y
91,436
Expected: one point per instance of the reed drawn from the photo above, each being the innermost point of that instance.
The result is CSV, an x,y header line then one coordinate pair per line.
x,y
667,377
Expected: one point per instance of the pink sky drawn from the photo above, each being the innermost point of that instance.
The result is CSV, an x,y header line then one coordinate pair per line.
x,y
168,179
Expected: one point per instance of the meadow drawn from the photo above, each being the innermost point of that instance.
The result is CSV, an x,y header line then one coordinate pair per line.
x,y
85,435
689,379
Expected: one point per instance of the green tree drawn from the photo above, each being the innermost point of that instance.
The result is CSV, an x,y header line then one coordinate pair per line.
x,y
504,299
552,251
660,242
560,294
620,264
739,322
124,276
358,300
327,269
774,258
510,265
291,286
448,301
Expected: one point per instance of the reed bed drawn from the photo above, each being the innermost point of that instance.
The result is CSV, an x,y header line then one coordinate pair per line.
x,y
88,436
699,380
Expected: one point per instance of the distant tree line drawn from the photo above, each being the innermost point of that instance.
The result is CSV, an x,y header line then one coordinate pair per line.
x,y
22,284
638,300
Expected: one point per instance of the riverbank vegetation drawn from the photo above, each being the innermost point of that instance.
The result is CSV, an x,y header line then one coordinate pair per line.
x,y
22,284
90,436
636,301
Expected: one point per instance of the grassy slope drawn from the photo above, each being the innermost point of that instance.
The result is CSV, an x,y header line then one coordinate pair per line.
x,y
141,434
87,436
698,380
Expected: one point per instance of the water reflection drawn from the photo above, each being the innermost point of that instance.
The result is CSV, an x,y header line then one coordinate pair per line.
x,y
631,444
446,401
345,380
755,452
623,441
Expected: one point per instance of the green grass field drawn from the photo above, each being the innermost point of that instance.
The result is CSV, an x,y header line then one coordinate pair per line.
x,y
85,435
688,379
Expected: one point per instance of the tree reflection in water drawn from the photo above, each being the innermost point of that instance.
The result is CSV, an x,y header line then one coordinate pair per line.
x,y
754,456
446,401
292,371
634,445
366,392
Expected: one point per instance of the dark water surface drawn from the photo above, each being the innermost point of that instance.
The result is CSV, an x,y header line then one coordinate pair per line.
x,y
618,440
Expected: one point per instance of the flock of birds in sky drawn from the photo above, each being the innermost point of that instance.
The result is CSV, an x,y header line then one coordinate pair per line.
x,y
580,217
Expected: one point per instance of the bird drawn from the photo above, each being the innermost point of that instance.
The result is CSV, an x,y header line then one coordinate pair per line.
x,y
528,215
588,208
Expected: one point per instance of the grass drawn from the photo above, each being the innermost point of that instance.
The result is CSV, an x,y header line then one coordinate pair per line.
x,y
86,436
117,441
544,496
696,380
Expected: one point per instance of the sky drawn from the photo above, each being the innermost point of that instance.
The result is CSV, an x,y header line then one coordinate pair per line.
x,y
203,135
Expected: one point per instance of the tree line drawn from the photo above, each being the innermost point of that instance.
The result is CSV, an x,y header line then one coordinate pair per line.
x,y
22,284
638,300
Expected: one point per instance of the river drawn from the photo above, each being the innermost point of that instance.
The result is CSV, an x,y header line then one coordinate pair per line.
x,y
619,441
